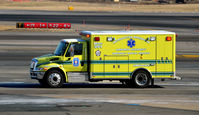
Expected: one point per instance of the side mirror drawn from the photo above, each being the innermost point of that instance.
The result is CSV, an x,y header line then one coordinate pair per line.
x,y
72,50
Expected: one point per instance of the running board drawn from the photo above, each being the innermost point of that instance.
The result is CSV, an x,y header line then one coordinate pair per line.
x,y
77,76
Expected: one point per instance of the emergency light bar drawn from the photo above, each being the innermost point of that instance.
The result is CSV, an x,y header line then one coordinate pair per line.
x,y
44,25
86,35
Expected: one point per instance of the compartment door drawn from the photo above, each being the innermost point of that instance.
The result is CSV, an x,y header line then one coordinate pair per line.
x,y
110,66
122,67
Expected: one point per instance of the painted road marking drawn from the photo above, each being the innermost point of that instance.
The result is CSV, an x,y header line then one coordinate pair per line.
x,y
134,104
187,56
17,100
190,84
12,82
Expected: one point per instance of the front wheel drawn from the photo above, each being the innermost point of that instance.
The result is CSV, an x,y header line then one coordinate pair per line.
x,y
141,79
42,82
54,79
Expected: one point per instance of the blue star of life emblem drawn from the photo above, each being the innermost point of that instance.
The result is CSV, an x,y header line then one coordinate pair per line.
x,y
131,43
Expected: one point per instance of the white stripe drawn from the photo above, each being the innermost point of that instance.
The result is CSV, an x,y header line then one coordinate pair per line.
x,y
6,100
190,84
12,83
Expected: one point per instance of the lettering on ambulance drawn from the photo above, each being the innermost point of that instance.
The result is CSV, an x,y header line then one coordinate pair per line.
x,y
134,49
97,45
130,53
76,62
131,43
142,65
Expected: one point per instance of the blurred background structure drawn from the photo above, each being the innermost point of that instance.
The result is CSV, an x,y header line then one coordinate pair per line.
x,y
120,1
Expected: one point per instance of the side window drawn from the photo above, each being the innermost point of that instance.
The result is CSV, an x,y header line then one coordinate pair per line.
x,y
77,49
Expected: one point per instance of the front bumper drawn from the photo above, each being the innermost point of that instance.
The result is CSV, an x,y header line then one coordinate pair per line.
x,y
36,74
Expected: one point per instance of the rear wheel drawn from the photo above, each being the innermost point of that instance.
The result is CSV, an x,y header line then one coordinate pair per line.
x,y
54,79
141,79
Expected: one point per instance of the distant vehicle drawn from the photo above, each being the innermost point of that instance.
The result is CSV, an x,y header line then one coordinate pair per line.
x,y
132,57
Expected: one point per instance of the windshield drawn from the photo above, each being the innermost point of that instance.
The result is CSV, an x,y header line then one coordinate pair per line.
x,y
61,48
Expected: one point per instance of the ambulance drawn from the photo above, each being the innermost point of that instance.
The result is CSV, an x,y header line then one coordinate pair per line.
x,y
134,58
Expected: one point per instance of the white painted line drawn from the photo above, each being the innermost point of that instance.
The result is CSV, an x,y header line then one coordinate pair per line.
x,y
10,100
12,83
183,84
5,101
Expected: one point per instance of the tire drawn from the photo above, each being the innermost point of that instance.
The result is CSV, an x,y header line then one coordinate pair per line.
x,y
128,83
54,79
42,82
141,79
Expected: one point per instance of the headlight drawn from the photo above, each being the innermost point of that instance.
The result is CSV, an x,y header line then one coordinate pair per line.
x,y
33,64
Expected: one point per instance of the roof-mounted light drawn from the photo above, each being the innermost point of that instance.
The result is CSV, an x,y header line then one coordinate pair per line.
x,y
88,35
110,39
97,38
168,38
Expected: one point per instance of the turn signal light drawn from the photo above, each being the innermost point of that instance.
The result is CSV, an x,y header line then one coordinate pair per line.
x,y
168,38
88,35
97,38
45,69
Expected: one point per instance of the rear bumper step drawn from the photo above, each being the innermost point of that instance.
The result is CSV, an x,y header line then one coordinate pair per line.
x,y
176,78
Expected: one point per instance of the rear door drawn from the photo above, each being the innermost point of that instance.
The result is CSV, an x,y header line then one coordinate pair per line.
x,y
164,56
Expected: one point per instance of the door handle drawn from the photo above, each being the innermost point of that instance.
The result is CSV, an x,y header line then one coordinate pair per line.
x,y
82,63
68,59
113,66
162,60
118,66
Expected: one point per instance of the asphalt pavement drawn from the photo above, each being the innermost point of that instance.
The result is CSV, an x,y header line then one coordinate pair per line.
x,y
135,20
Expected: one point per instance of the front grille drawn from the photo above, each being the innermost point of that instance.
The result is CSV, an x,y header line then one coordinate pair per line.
x,y
33,74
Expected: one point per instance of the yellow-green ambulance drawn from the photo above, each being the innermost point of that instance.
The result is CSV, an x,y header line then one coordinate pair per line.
x,y
131,57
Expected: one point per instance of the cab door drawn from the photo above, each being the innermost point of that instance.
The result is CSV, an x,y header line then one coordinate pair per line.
x,y
75,58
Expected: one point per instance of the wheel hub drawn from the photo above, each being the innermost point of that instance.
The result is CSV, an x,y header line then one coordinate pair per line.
x,y
54,78
141,79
